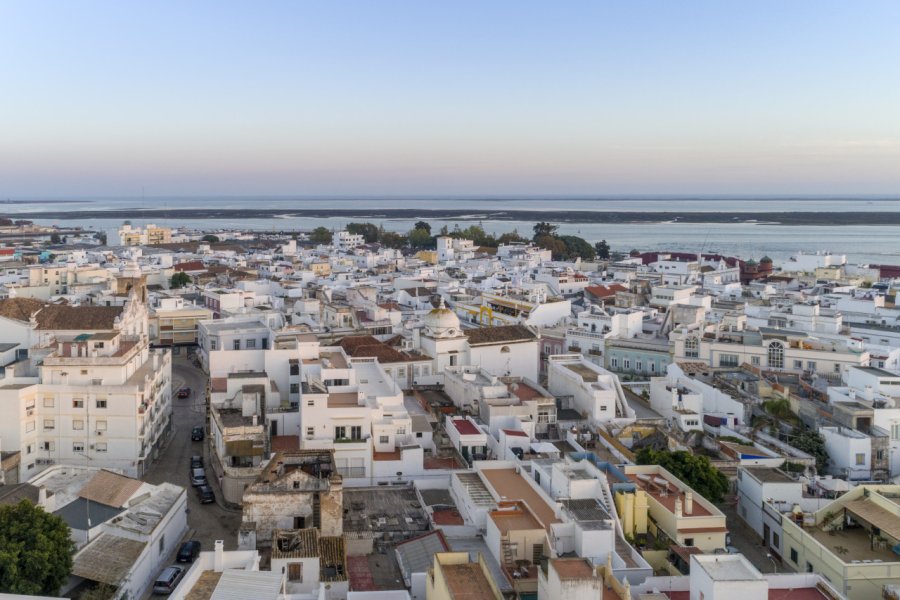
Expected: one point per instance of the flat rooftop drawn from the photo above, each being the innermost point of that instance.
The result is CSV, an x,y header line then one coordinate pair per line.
x,y
467,582
728,567
509,485
666,492
769,475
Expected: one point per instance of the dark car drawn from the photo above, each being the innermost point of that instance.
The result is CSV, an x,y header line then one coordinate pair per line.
x,y
205,494
198,477
196,462
184,392
197,434
188,551
168,580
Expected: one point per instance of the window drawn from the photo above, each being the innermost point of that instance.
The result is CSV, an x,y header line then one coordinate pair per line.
x,y
30,426
794,556
295,572
84,372
401,372
754,360
811,365
100,447
638,366
236,344
295,368
340,433
452,360
798,364
653,367
101,403
809,567
688,541
614,363
101,425
48,446
837,368
728,360
691,347
776,355
212,344
49,423
29,448
310,432
626,363
356,432
310,401
295,388
77,403
78,447
251,344
860,459
77,424
895,431
776,541
401,431
384,439
162,544
49,402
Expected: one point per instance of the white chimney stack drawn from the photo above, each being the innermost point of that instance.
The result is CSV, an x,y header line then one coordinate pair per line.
x,y
219,563
688,503
678,511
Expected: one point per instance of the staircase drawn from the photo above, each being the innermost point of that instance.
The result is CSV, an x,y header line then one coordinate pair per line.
x,y
506,551
475,489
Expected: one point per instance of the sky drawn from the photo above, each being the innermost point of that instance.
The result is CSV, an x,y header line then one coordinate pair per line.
x,y
382,97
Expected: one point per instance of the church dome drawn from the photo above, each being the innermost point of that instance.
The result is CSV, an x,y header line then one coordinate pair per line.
x,y
441,322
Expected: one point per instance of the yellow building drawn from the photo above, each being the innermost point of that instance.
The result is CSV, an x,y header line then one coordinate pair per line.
x,y
849,542
429,256
453,577
676,512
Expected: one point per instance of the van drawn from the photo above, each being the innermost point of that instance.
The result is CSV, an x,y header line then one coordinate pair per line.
x,y
168,580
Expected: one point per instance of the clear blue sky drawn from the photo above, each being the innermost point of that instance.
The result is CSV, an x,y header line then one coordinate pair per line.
x,y
425,97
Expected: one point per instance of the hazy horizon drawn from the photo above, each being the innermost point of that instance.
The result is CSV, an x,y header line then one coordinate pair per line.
x,y
408,99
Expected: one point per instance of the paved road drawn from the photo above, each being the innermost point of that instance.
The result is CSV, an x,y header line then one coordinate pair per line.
x,y
209,521
748,543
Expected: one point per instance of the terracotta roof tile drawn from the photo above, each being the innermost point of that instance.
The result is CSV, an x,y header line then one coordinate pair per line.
x,y
84,318
20,309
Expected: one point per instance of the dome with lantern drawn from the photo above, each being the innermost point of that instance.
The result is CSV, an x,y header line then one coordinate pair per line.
x,y
441,322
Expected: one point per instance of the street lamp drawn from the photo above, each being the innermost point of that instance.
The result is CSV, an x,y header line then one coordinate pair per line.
x,y
774,564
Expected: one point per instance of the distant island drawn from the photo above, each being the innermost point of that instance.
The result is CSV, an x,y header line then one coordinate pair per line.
x,y
451,214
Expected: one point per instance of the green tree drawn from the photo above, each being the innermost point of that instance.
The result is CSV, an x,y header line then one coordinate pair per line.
x,y
420,238
212,239
556,246
391,239
602,249
367,230
320,235
423,225
694,470
510,237
54,238
35,550
100,237
543,228
179,280
577,247
813,444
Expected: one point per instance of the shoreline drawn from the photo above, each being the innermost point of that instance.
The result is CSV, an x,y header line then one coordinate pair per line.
x,y
463,215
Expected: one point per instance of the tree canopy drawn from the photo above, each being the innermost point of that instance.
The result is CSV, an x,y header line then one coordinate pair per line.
x,y
368,230
35,550
320,235
694,470
602,249
179,280
812,443
212,239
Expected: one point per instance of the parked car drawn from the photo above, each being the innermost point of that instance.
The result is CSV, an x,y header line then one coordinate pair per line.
x,y
197,434
168,580
198,477
205,494
184,392
188,551
196,462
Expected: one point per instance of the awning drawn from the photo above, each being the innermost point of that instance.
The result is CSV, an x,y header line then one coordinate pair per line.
x,y
876,516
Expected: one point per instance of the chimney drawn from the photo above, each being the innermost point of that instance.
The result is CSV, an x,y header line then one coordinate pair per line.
x,y
219,563
869,393
678,511
688,503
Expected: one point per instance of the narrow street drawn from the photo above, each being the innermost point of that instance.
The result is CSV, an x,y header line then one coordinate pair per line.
x,y
210,522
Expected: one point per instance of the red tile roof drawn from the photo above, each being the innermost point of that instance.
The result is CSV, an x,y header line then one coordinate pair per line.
x,y
515,432
465,427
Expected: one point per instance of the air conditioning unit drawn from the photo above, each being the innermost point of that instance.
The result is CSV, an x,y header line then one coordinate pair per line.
x,y
99,433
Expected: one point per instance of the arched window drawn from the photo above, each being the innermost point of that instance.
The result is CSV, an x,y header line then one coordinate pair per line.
x,y
691,347
776,355
504,349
